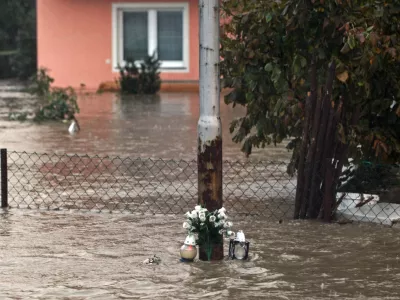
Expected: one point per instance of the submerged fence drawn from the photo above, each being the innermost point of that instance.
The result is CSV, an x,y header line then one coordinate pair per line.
x,y
158,186
97,183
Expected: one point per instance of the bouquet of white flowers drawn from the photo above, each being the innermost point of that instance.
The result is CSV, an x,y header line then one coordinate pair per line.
x,y
209,227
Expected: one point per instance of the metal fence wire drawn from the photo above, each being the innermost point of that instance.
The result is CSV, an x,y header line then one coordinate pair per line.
x,y
159,186
97,183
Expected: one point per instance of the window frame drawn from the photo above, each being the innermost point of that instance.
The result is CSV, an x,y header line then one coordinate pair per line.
x,y
151,8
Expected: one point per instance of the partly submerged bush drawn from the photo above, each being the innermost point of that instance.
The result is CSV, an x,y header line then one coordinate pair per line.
x,y
41,83
62,105
129,78
59,103
142,80
18,116
149,76
368,177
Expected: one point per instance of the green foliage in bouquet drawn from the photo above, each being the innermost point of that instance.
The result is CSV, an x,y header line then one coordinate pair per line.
x,y
209,227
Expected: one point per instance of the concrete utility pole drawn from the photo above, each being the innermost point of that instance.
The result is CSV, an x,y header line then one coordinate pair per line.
x,y
209,126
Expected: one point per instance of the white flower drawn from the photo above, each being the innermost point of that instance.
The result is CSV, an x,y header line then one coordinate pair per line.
x,y
228,225
222,210
222,215
202,217
197,208
212,219
201,224
194,214
186,225
220,224
188,214
221,231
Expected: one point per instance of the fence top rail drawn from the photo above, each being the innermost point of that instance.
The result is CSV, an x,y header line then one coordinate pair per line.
x,y
146,159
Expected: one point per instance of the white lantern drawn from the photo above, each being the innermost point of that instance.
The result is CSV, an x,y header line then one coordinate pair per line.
x,y
188,250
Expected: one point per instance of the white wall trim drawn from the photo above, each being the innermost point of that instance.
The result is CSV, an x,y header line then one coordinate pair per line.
x,y
117,43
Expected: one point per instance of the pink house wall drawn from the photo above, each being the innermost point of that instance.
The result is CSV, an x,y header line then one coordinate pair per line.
x,y
75,41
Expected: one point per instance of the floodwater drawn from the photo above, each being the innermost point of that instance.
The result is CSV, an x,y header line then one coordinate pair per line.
x,y
163,126
54,255
75,255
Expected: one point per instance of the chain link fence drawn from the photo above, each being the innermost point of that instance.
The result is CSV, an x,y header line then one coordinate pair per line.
x,y
155,186
158,186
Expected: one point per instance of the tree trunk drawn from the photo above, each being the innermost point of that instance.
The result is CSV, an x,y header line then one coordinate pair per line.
x,y
311,150
310,103
328,167
316,177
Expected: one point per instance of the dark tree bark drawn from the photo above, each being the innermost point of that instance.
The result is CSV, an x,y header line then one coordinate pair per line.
x,y
316,177
310,155
310,104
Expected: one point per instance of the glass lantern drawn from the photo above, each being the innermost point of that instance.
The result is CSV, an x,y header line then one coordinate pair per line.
x,y
239,247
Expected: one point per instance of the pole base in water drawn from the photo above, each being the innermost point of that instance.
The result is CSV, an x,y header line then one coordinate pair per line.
x,y
216,254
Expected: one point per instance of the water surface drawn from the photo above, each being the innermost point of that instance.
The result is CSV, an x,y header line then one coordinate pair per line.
x,y
54,255
163,126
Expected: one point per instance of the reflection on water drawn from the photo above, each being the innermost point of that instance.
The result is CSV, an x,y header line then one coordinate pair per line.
x,y
51,255
158,126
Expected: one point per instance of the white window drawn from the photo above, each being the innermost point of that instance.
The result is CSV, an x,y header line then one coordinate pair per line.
x,y
141,29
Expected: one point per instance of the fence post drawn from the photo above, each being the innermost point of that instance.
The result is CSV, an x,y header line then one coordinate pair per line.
x,y
4,178
209,154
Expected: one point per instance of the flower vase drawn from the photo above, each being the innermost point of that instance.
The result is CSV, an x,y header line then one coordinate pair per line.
x,y
212,250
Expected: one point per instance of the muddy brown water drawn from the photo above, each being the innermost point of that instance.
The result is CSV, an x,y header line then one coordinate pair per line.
x,y
55,255
164,126
75,255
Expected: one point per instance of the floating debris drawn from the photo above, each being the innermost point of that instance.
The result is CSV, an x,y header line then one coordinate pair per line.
x,y
153,260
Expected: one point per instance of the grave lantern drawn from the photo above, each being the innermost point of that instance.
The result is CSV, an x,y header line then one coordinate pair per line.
x,y
188,250
239,247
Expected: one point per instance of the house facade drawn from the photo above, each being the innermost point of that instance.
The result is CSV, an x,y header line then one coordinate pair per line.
x,y
83,41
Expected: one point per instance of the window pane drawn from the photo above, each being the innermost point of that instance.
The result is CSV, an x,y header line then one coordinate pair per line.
x,y
135,35
170,35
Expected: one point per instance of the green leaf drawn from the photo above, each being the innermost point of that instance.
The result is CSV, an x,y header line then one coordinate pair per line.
x,y
303,61
268,67
268,17
352,42
276,74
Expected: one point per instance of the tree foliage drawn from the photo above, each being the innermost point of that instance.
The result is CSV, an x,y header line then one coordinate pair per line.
x,y
324,73
268,48
17,38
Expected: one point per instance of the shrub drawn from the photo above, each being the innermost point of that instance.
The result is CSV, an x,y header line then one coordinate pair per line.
x,y
143,80
41,83
149,77
129,78
61,103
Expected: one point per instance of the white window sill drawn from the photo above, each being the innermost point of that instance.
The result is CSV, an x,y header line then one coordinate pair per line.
x,y
164,70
